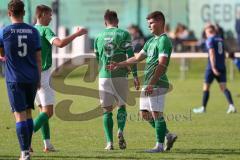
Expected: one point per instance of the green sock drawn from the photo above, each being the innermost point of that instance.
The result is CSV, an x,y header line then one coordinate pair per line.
x,y
108,126
39,121
152,123
121,118
160,128
45,131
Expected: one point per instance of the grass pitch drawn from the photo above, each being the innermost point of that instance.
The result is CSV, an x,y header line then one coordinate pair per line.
x,y
214,135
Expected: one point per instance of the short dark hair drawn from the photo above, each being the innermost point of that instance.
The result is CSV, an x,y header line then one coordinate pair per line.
x,y
40,9
156,15
16,7
110,16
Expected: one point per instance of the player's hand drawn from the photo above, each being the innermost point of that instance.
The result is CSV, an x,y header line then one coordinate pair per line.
x,y
112,66
136,83
3,59
81,31
148,90
215,72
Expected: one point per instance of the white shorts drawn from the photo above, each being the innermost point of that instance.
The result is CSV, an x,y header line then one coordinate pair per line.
x,y
113,90
154,102
45,95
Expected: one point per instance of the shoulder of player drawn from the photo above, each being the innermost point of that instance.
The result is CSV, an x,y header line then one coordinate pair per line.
x,y
43,28
150,39
122,30
99,35
164,38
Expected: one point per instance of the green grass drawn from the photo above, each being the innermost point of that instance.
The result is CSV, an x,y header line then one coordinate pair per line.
x,y
214,135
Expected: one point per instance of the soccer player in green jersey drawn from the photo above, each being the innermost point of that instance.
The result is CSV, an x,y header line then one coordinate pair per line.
x,y
45,95
157,52
114,44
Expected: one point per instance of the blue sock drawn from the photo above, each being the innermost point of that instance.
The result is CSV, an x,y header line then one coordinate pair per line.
x,y
205,98
228,96
30,130
22,134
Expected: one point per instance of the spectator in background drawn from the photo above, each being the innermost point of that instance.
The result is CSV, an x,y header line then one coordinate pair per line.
x,y
181,32
137,38
168,31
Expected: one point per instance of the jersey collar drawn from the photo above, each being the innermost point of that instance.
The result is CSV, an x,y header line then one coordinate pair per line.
x,y
156,37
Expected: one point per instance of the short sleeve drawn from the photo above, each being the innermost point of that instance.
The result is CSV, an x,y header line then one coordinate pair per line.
x,y
163,48
145,48
128,45
1,38
95,45
50,35
209,43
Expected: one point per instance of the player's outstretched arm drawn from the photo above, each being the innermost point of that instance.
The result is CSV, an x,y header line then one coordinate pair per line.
x,y
65,41
133,60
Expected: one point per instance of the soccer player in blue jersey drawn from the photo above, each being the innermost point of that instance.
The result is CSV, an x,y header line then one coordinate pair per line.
x,y
216,69
20,44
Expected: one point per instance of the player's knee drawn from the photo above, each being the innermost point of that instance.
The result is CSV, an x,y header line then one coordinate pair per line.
x,y
29,113
146,115
50,114
223,88
107,109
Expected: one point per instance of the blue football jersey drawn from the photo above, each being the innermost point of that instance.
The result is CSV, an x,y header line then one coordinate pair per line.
x,y
20,42
216,43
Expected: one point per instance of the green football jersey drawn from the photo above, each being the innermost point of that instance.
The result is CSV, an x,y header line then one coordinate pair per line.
x,y
154,48
113,44
47,37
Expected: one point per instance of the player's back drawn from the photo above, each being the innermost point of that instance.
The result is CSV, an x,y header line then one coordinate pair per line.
x,y
20,42
216,43
113,44
113,41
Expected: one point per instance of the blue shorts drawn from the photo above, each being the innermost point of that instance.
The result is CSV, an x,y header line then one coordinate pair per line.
x,y
209,76
21,95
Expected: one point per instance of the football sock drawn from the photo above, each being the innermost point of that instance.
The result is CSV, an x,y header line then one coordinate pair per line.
x,y
152,123
41,119
160,129
121,118
45,130
205,98
228,96
108,126
30,130
22,134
